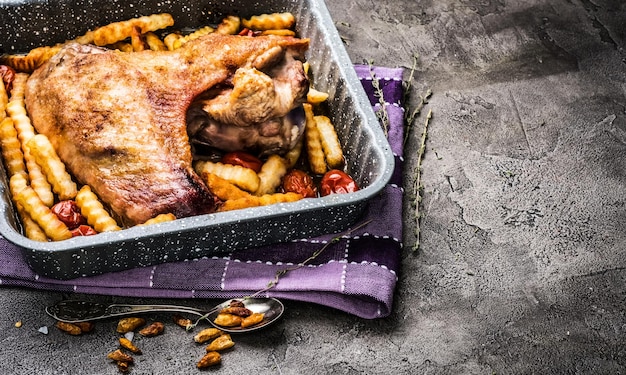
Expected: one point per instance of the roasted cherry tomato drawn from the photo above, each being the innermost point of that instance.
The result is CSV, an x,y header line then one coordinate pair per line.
x,y
83,230
244,159
7,74
297,181
337,182
69,213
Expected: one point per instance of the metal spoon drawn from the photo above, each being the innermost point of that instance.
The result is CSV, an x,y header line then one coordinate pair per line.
x,y
74,311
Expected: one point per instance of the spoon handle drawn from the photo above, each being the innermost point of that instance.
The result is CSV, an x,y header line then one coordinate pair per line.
x,y
121,309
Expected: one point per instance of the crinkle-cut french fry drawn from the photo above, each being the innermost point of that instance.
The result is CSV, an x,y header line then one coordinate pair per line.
x,y
25,131
229,26
279,32
179,42
54,228
52,166
4,100
11,148
315,153
19,86
154,42
255,201
32,230
292,156
330,142
243,177
170,40
316,97
270,175
137,40
30,62
122,46
92,209
161,218
117,31
86,38
223,189
271,21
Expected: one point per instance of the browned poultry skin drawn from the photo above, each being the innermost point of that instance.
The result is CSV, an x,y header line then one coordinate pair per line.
x,y
117,120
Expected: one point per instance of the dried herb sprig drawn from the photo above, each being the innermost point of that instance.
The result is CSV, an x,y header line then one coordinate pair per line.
x,y
381,112
316,253
417,183
411,115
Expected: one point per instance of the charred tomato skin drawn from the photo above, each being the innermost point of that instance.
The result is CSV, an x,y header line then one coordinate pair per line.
x,y
298,181
337,182
69,213
83,230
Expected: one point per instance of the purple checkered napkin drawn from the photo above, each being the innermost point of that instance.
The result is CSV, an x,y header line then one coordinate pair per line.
x,y
356,274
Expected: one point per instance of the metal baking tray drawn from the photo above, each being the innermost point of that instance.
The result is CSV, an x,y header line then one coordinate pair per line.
x,y
28,24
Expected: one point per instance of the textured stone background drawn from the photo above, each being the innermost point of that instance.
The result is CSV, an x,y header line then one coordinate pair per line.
x,y
521,265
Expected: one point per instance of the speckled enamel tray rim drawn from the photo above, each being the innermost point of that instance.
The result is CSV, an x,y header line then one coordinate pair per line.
x,y
193,224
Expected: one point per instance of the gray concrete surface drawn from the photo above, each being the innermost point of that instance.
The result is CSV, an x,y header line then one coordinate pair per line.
x,y
521,265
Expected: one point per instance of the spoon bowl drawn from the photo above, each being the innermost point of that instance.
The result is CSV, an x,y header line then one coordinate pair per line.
x,y
75,311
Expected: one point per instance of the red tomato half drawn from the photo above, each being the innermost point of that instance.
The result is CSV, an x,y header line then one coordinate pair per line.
x,y
69,213
83,230
337,182
243,159
297,181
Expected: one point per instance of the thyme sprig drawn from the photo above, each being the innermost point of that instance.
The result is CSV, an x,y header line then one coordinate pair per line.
x,y
381,112
417,183
410,118
316,253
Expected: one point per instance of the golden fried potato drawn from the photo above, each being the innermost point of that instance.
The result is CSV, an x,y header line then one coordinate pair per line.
x,y
11,148
138,40
293,155
245,178
273,21
315,153
330,142
30,62
222,188
161,218
279,32
118,31
154,42
54,228
170,41
229,26
316,97
122,46
53,168
4,100
272,171
32,230
92,209
255,201
25,131
180,41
